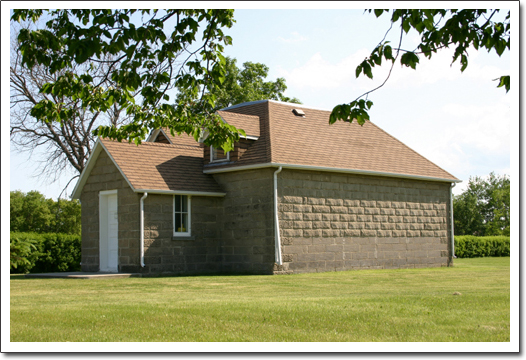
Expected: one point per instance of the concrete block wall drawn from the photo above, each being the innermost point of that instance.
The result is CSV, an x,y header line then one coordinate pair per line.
x,y
247,236
332,222
166,254
231,234
327,222
105,176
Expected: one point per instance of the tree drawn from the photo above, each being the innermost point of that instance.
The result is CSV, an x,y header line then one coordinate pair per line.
x,y
438,29
30,212
484,207
33,212
243,85
68,144
468,217
498,205
141,61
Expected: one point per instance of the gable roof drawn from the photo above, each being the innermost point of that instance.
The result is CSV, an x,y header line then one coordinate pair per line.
x,y
284,139
156,168
310,142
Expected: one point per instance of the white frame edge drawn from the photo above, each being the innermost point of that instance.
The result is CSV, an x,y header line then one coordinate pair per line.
x,y
220,160
189,232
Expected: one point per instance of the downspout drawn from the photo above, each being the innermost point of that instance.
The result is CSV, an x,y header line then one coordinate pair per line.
x,y
452,221
276,220
142,228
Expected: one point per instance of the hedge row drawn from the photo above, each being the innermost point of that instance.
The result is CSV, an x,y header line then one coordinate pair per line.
x,y
38,253
469,246
54,252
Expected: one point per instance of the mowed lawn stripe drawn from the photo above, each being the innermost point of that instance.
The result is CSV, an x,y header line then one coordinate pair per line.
x,y
370,305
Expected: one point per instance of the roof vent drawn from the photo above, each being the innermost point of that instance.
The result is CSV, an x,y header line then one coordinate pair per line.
x,y
298,112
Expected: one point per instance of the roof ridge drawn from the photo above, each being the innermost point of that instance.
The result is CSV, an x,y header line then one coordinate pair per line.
x,y
248,103
242,104
298,105
150,143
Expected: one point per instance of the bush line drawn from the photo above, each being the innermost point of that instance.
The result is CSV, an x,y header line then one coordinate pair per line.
x,y
54,252
39,253
469,246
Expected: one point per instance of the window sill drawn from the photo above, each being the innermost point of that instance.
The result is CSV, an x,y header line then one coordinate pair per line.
x,y
218,163
176,238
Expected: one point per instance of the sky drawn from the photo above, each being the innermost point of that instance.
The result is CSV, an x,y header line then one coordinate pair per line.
x,y
459,121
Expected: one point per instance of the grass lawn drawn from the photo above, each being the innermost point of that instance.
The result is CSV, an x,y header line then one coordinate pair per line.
x,y
369,305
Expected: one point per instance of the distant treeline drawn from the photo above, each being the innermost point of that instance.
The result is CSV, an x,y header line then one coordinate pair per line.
x,y
33,212
483,209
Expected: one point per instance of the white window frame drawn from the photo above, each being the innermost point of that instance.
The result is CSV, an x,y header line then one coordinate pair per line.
x,y
189,212
218,160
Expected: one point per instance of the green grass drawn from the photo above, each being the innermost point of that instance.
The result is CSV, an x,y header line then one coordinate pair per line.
x,y
369,305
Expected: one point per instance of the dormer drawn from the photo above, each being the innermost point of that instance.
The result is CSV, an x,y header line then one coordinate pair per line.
x,y
249,123
158,136
164,136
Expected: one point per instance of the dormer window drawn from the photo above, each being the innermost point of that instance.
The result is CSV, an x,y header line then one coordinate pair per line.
x,y
217,155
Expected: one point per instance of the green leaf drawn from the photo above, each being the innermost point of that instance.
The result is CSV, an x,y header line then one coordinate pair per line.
x,y
504,81
358,70
406,25
388,52
409,59
360,120
367,70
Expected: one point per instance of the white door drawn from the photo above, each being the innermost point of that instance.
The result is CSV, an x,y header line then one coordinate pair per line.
x,y
109,227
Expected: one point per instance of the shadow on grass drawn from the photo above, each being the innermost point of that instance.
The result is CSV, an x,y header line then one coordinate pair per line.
x,y
18,277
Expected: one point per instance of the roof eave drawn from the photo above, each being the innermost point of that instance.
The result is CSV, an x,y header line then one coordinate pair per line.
x,y
180,192
329,169
99,146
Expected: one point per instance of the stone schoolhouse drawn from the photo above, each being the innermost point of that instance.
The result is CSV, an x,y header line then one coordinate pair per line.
x,y
295,195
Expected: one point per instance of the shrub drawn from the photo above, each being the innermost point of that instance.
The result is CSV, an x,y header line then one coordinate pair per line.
x,y
469,246
23,252
51,252
60,252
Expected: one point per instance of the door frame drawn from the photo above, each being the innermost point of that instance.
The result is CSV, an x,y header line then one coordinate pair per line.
x,y
103,229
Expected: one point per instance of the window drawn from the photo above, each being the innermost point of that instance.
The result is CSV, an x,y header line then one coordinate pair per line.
x,y
182,220
217,155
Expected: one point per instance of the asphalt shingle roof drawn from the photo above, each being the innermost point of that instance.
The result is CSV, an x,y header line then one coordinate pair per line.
x,y
249,123
311,141
284,138
154,166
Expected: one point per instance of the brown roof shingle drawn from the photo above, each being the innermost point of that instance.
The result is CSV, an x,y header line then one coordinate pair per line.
x,y
183,139
259,152
154,166
248,123
311,141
